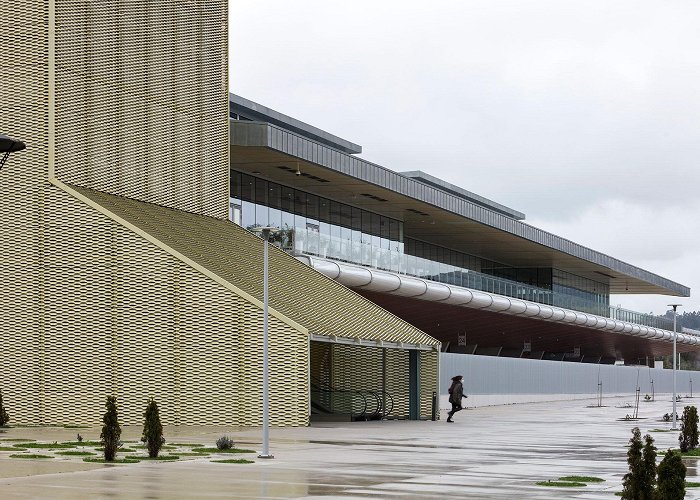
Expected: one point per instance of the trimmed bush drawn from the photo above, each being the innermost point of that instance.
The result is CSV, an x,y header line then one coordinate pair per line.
x,y
671,483
111,432
638,483
688,438
224,443
4,417
152,429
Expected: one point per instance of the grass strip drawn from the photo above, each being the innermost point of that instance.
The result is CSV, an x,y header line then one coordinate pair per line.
x,y
158,458
84,443
127,460
17,440
30,455
191,454
692,485
561,484
11,448
660,430
166,447
76,426
76,453
217,450
234,461
582,479
188,445
44,446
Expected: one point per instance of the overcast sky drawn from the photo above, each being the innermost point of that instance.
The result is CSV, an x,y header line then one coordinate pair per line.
x,y
584,115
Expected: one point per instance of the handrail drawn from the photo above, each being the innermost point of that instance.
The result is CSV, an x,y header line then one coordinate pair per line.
x,y
355,405
380,397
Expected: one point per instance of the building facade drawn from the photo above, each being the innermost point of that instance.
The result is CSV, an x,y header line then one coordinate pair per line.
x,y
464,269
121,273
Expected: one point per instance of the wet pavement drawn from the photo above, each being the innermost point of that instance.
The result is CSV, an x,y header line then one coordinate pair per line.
x,y
489,452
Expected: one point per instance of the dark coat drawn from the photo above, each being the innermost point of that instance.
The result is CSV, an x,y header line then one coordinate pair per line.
x,y
456,392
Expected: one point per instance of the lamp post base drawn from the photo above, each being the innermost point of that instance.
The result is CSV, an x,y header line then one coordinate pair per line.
x,y
266,456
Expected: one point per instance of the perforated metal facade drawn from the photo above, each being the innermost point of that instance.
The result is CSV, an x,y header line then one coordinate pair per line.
x,y
119,273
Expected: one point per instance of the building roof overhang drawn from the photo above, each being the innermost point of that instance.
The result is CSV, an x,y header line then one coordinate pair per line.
x,y
428,213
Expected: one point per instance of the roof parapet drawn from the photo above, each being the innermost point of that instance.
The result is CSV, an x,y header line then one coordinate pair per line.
x,y
435,182
257,112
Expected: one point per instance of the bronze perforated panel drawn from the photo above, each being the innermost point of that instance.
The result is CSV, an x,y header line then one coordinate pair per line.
x,y
123,317
142,100
131,98
321,304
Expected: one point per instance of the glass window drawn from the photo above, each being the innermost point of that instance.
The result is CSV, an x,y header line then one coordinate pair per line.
x,y
247,188
235,185
274,195
356,219
287,199
261,191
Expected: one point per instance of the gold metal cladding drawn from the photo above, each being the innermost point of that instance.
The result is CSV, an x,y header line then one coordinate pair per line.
x,y
118,102
142,100
308,298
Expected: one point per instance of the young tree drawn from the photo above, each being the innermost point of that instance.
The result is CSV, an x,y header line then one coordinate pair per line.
x,y
649,466
152,429
4,417
671,483
111,432
638,483
688,438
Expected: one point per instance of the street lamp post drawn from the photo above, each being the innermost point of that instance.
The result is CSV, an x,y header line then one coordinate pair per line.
x,y
675,314
266,231
8,145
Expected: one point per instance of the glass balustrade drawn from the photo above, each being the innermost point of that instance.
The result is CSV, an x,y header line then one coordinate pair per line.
x,y
641,318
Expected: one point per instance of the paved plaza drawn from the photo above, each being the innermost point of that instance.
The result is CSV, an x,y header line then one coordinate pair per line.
x,y
489,452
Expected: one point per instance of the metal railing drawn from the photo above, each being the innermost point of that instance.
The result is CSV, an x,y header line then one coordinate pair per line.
x,y
308,241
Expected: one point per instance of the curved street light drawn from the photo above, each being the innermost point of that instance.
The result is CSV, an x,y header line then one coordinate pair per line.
x,y
9,145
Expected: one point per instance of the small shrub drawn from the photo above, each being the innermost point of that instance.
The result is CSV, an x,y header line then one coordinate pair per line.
x,y
224,443
688,438
152,429
4,417
647,397
79,438
111,432
671,482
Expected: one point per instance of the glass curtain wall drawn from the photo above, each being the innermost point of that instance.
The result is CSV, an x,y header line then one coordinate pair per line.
x,y
580,294
314,225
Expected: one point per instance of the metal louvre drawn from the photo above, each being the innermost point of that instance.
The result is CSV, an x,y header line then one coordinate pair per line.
x,y
142,111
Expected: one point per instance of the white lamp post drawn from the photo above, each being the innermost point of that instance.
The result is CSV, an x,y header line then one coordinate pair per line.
x,y
675,306
266,231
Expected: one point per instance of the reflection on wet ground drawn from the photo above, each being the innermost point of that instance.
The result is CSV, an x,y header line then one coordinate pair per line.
x,y
492,452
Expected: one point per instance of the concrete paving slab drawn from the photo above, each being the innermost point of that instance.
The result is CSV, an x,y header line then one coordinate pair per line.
x,y
489,452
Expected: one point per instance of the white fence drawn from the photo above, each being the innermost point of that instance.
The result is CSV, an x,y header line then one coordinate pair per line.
x,y
490,380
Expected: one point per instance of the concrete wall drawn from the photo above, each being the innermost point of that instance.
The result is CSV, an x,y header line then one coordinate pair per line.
x,y
489,380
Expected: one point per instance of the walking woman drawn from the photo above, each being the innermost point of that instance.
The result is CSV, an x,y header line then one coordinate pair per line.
x,y
456,394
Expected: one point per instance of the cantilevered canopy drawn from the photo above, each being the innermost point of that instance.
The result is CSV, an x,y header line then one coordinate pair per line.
x,y
428,213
